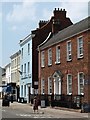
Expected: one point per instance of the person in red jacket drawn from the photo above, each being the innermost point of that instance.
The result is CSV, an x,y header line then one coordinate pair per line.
x,y
35,104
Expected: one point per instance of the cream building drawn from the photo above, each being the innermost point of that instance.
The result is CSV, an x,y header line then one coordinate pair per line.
x,y
15,75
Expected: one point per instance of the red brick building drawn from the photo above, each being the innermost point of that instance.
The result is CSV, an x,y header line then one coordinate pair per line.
x,y
64,62
57,22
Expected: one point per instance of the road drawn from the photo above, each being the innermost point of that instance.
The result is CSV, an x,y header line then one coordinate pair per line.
x,y
19,110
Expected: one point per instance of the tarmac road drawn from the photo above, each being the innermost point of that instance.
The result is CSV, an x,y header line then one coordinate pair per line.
x,y
23,111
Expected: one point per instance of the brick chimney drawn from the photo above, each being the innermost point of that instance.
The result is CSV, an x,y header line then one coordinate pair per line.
x,y
42,23
59,13
59,20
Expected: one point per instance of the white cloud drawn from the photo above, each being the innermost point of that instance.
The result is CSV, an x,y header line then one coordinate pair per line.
x,y
46,14
14,28
0,38
0,15
22,12
76,10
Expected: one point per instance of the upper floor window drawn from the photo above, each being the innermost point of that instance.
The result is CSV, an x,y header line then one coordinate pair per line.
x,y
69,52
25,68
18,60
28,48
15,62
42,86
22,68
80,83
49,85
80,47
22,52
50,56
42,59
12,64
69,84
28,67
57,54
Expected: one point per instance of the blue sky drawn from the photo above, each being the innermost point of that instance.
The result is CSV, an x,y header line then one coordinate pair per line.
x,y
18,19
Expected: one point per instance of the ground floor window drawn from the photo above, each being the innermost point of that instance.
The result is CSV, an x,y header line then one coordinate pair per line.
x,y
49,85
69,84
81,83
21,90
42,86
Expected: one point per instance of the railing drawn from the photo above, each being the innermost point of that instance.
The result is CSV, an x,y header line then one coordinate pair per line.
x,y
68,101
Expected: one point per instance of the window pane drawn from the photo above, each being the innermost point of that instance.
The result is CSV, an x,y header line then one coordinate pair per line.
x,y
69,55
81,83
49,57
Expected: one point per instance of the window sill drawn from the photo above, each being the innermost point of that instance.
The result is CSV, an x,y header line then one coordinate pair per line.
x,y
57,63
49,65
42,66
80,57
69,60
69,94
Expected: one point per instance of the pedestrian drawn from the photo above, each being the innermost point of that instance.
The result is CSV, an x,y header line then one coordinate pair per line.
x,y
35,104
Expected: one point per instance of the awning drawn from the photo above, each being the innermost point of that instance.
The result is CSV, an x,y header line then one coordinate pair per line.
x,y
9,88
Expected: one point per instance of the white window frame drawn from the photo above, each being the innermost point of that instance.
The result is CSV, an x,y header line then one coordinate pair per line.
x,y
79,91
80,47
69,50
68,84
57,54
43,86
42,59
49,85
49,56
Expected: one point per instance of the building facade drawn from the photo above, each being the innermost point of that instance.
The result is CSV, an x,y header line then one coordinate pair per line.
x,y
8,72
46,29
0,82
4,82
15,75
64,63
26,68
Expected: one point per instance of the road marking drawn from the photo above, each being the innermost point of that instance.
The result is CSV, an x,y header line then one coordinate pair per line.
x,y
34,115
3,110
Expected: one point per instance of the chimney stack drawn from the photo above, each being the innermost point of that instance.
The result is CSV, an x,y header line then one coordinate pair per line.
x,y
42,23
59,13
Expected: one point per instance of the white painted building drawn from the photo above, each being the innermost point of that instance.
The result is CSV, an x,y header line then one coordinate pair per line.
x,y
26,68
0,82
8,73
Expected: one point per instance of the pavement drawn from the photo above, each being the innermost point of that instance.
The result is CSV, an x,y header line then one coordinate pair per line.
x,y
28,105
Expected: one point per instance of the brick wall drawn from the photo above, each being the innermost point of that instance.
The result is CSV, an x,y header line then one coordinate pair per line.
x,y
73,67
45,27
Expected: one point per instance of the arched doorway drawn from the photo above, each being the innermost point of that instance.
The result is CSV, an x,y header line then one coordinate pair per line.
x,y
57,82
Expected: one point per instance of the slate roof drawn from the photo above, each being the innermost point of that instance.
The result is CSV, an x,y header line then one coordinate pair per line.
x,y
68,33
